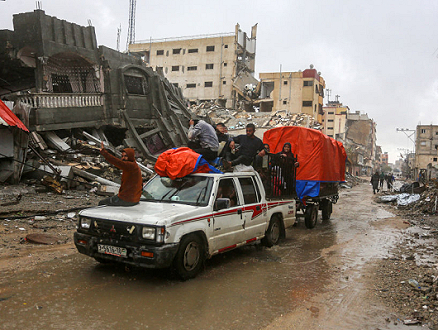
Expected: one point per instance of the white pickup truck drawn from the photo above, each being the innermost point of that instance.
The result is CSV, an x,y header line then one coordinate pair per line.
x,y
179,223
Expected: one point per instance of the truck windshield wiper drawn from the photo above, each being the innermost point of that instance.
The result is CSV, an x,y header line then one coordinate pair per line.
x,y
203,196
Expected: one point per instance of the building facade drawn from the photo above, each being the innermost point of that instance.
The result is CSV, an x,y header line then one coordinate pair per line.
x,y
334,118
426,148
295,92
206,67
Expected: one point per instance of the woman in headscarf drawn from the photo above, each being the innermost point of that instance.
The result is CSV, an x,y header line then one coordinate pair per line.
x,y
286,151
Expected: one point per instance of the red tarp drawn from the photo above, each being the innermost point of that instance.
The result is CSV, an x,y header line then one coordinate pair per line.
x,y
321,158
8,118
177,163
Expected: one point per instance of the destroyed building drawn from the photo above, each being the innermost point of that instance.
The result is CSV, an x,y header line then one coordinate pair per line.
x,y
359,140
214,67
67,82
295,92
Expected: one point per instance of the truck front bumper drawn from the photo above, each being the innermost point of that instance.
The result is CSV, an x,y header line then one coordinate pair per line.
x,y
157,256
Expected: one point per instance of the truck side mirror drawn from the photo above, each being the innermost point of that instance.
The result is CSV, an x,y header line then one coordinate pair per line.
x,y
221,203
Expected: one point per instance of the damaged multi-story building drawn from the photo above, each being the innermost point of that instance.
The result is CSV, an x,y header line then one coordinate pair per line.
x,y
426,152
359,141
295,92
56,70
206,67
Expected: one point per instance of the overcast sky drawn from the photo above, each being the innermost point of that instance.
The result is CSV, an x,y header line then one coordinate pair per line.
x,y
381,57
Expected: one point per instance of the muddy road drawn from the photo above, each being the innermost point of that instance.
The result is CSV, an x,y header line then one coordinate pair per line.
x,y
319,278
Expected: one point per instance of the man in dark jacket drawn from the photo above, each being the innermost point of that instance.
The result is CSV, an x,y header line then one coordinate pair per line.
x,y
132,184
250,146
375,182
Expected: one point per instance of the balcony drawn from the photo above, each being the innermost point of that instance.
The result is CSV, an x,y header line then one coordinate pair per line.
x,y
53,100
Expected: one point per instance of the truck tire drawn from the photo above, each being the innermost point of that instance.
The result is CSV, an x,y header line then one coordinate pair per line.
x,y
326,209
273,233
311,216
190,257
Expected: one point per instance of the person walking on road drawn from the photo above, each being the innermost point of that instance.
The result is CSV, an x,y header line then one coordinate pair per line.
x,y
132,183
382,179
375,182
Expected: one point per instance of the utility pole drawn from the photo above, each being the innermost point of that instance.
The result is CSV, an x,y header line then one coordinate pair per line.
x,y
131,24
329,91
119,30
409,133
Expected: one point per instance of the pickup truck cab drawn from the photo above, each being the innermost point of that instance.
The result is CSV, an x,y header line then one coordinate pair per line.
x,y
179,223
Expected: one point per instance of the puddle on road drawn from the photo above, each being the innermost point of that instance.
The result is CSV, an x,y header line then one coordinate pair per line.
x,y
243,289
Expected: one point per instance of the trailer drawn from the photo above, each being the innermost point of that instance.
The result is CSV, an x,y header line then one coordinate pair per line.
x,y
315,182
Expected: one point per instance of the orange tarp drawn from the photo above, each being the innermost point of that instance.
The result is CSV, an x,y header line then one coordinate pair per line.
x,y
321,158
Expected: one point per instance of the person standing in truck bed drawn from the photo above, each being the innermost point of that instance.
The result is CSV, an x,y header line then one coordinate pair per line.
x,y
132,182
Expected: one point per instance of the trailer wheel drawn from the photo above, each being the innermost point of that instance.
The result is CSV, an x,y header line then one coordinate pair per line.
x,y
326,209
273,234
190,257
311,216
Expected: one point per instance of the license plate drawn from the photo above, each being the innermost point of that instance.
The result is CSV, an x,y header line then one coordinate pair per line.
x,y
112,250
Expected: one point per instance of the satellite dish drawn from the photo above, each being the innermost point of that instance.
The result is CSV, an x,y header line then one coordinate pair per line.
x,y
311,66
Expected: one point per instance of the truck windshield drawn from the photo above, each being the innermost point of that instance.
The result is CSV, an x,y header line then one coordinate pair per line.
x,y
192,190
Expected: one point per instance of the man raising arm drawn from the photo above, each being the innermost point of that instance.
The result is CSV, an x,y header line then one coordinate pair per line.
x,y
132,183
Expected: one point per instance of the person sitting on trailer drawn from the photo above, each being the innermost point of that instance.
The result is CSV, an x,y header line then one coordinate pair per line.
x,y
250,146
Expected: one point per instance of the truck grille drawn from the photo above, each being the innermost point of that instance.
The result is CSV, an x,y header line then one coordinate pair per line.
x,y
123,231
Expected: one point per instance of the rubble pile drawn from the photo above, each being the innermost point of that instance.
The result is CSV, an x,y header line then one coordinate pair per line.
x,y
408,281
428,202
72,163
351,181
238,119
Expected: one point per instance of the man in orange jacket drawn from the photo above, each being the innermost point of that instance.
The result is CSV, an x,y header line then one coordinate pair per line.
x,y
132,184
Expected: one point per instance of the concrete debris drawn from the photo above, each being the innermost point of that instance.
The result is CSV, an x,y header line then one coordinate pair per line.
x,y
238,119
401,199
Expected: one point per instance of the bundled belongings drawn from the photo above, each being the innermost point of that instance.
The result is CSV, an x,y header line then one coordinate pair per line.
x,y
179,162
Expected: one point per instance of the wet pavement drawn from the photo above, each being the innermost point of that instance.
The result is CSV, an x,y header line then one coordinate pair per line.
x,y
248,288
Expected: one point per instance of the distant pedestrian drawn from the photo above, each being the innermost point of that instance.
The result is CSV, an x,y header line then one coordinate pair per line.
x,y
388,181
381,180
375,182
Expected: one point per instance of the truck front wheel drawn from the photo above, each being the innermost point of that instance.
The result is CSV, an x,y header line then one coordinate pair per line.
x,y
311,216
190,257
273,234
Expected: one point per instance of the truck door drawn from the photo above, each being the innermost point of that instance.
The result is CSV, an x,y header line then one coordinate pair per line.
x,y
227,222
253,210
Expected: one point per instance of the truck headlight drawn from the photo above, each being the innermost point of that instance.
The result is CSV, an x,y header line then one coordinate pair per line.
x,y
85,223
148,233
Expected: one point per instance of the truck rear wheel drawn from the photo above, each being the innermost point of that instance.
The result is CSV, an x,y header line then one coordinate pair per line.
x,y
326,209
311,216
190,257
273,234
